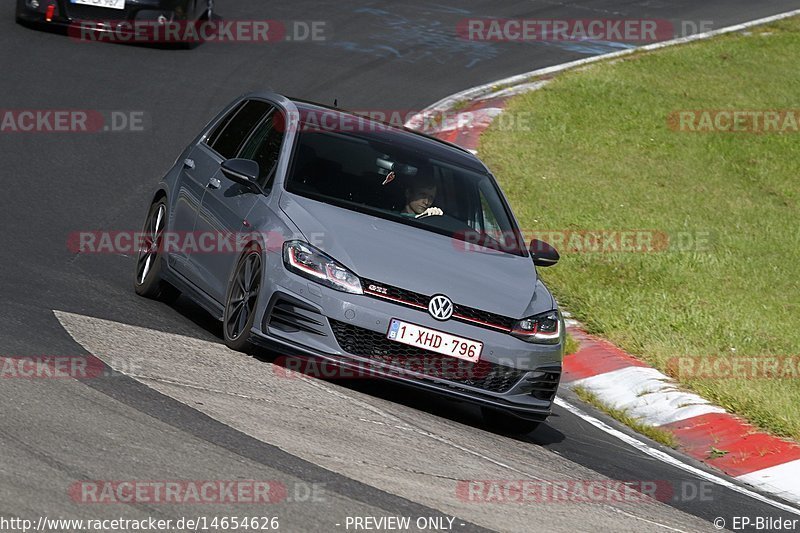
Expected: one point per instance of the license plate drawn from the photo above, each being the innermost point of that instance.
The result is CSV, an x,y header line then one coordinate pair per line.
x,y
110,4
435,341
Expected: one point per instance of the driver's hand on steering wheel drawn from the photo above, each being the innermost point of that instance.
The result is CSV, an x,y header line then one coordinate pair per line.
x,y
430,212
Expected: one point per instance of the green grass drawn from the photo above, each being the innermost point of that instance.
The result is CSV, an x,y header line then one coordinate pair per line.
x,y
659,435
571,345
600,155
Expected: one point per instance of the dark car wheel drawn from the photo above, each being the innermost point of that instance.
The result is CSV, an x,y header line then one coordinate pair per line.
x,y
508,424
148,282
240,304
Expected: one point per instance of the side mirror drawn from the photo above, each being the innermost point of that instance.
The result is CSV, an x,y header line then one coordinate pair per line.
x,y
543,254
244,171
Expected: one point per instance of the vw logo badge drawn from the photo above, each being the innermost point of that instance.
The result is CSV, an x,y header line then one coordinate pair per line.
x,y
440,307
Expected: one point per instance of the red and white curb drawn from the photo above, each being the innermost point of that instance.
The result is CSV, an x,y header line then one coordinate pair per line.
x,y
624,382
704,431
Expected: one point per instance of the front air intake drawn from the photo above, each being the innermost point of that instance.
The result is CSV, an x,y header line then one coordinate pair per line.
x,y
291,316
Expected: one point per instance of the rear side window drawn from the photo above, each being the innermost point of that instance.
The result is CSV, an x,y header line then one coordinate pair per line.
x,y
227,138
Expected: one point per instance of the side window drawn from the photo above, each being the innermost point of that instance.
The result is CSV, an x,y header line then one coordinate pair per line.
x,y
213,137
264,146
228,137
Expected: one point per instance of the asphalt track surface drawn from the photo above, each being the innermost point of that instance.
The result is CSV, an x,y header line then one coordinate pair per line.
x,y
193,410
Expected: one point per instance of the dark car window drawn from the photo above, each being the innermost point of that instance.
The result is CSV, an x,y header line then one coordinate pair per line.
x,y
213,137
359,173
228,137
264,146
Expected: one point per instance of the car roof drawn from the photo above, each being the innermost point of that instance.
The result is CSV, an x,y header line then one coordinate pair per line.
x,y
390,133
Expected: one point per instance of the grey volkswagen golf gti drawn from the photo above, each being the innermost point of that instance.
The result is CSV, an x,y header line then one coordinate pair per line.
x,y
376,249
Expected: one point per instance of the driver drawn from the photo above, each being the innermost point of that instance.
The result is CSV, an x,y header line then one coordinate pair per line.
x,y
420,194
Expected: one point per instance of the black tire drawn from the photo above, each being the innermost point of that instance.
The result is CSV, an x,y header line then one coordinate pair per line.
x,y
241,300
506,423
147,280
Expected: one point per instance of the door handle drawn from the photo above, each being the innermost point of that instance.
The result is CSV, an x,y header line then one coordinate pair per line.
x,y
214,183
188,163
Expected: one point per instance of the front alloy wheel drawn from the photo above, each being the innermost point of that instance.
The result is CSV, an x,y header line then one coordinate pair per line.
x,y
148,282
240,306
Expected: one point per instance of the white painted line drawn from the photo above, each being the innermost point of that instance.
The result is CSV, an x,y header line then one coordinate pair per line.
x,y
779,479
482,90
659,524
517,89
670,460
646,394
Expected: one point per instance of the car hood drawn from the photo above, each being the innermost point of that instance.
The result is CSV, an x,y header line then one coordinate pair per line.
x,y
418,260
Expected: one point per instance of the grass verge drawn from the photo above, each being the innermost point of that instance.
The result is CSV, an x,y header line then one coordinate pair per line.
x,y
571,345
601,155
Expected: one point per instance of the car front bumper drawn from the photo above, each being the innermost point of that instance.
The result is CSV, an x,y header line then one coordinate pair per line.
x,y
349,330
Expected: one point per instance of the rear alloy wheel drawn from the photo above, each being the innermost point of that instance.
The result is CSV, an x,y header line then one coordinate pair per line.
x,y
506,423
148,282
240,305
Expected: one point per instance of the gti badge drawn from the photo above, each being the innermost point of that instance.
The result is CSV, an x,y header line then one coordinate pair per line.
x,y
440,307
379,290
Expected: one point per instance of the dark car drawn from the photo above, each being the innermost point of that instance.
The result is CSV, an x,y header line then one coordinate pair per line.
x,y
111,15
375,248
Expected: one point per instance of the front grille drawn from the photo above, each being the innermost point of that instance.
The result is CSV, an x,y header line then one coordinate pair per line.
x,y
488,319
462,313
376,347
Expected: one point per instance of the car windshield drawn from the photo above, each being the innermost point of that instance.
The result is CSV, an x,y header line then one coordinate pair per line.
x,y
406,182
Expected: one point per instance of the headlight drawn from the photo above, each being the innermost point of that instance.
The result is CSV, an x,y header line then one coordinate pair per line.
x,y
305,260
544,328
